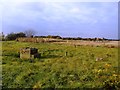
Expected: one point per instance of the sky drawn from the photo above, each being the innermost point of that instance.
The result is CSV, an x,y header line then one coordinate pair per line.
x,y
68,19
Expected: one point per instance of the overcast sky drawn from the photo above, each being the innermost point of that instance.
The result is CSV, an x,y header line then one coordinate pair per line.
x,y
76,19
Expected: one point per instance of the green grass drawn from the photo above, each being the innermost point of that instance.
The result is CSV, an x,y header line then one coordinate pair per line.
x,y
79,69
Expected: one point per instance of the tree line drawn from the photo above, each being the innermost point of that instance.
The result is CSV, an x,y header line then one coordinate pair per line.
x,y
14,36
31,33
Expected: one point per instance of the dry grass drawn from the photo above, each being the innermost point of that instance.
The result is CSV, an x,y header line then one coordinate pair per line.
x,y
109,44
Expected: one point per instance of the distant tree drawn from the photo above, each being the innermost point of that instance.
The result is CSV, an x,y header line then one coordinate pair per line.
x,y
13,36
79,38
21,34
58,37
30,33
55,37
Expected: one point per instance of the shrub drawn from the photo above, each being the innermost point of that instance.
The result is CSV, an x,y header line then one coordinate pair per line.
x,y
13,36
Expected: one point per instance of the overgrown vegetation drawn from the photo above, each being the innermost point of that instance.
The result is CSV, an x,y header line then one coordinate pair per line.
x,y
13,36
55,69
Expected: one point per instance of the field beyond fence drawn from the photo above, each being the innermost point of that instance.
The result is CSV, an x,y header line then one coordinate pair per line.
x,y
105,43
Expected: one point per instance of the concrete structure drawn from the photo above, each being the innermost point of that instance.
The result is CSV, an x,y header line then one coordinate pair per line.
x,y
29,53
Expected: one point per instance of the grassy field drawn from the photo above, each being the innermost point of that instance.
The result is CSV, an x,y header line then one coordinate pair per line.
x,y
79,69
